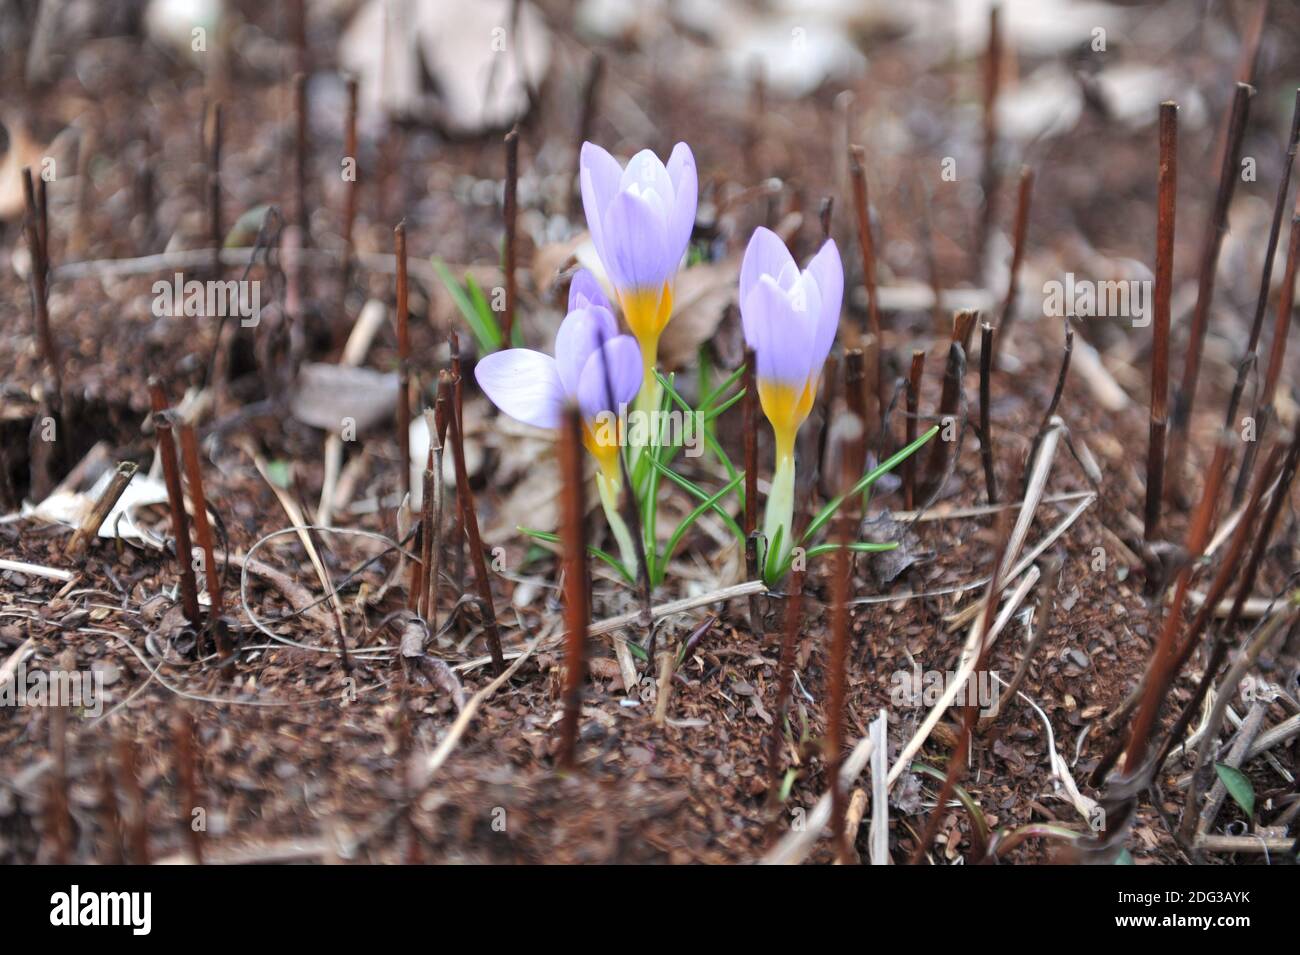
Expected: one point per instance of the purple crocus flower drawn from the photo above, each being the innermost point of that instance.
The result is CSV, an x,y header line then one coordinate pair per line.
x,y
533,387
790,318
640,220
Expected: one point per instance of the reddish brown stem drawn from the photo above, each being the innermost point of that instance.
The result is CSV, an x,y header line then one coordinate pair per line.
x,y
838,676
203,532
1247,528
989,167
58,816
176,501
39,291
862,211
403,359
1167,189
469,520
129,784
986,432
855,398
577,609
301,216
511,216
949,403
749,423
1261,301
187,781
214,190
350,195
1185,396
428,582
913,410
1160,669
1023,195
590,96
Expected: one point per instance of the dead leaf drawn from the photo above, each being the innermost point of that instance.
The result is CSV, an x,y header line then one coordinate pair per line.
x,y
464,67
328,395
23,151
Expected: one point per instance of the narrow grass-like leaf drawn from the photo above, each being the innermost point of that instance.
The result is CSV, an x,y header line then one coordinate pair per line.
x,y
1238,786
484,326
690,519
608,558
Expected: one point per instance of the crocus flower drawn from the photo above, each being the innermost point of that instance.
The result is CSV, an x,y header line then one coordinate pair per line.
x,y
593,365
790,318
640,219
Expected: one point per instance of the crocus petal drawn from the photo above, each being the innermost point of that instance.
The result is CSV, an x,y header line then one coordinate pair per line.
x,y
644,173
581,333
585,290
635,238
524,384
778,332
681,221
827,270
766,254
599,174
610,378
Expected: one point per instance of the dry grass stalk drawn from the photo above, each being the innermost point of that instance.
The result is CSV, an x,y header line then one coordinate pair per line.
x,y
95,517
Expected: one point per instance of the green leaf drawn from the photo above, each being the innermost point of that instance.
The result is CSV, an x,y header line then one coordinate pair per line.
x,y
712,396
482,323
1238,786
690,519
279,473
868,479
608,558
967,800
698,492
862,547
787,783
771,571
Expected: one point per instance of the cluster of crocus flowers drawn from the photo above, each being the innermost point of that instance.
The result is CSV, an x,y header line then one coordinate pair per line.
x,y
595,367
640,218
790,318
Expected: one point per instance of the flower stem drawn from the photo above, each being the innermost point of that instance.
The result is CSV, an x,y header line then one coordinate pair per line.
x,y
779,515
607,486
